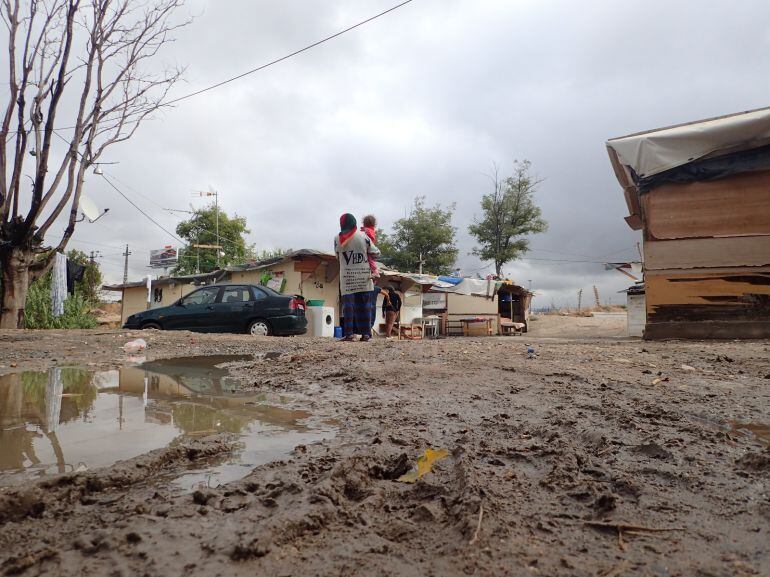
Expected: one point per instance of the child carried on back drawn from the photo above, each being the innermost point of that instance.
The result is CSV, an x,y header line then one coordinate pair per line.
x,y
369,230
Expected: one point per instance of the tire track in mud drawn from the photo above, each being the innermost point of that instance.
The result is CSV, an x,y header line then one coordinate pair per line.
x,y
557,450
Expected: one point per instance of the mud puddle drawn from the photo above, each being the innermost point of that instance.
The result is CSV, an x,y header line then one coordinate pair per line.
x,y
757,431
70,419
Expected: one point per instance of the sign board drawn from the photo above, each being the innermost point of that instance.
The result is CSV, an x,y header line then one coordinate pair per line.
x,y
165,257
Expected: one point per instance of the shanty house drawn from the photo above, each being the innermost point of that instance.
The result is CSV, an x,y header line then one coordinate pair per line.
x,y
457,298
700,194
310,273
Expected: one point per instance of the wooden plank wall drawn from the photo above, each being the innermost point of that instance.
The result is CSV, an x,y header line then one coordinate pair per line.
x,y
707,258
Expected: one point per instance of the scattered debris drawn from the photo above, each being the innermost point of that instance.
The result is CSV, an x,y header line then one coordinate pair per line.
x,y
135,346
424,465
478,526
630,528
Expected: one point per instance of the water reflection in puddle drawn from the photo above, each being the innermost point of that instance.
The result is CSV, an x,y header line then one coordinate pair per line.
x,y
757,431
69,419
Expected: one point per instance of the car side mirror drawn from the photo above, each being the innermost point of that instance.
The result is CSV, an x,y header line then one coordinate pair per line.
x,y
180,304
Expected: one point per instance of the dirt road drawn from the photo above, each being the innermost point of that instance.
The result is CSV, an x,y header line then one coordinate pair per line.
x,y
585,458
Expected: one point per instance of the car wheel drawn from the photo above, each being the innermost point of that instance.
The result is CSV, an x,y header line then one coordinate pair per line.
x,y
260,328
151,326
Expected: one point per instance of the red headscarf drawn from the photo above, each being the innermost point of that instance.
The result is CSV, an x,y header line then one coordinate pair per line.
x,y
348,227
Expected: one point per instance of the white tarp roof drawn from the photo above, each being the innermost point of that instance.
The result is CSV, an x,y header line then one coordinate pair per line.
x,y
656,151
411,279
469,286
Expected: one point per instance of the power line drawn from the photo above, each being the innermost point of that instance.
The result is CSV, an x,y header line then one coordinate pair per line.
x,y
282,58
562,260
271,63
132,203
120,192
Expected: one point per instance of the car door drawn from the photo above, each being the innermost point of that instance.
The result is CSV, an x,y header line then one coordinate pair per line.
x,y
234,308
195,312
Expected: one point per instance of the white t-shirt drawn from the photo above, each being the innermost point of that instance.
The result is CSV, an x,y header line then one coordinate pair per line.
x,y
355,274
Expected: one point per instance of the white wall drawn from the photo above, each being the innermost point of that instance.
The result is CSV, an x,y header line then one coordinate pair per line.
x,y
637,316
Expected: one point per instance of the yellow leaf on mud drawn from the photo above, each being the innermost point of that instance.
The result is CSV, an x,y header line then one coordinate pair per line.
x,y
424,465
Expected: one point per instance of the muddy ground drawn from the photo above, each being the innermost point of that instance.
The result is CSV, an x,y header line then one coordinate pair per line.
x,y
591,457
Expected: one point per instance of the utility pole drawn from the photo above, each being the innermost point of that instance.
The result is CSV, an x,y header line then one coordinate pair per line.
x,y
93,256
125,265
596,297
580,298
215,194
419,269
216,207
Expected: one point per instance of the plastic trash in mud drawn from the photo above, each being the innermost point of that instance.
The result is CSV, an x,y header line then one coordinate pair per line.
x,y
531,353
424,465
135,346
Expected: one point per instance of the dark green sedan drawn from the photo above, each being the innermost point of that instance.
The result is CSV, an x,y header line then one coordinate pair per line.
x,y
228,308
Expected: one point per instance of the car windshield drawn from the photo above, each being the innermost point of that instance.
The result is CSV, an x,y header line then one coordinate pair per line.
x,y
202,297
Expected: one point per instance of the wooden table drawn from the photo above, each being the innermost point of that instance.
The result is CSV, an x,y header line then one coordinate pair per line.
x,y
511,328
466,324
408,331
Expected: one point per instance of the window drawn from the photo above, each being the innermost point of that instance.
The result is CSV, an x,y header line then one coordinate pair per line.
x,y
236,294
157,295
260,293
204,296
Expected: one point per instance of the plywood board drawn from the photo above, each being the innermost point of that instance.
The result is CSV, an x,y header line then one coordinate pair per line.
x,y
706,252
306,265
734,206
739,295
708,330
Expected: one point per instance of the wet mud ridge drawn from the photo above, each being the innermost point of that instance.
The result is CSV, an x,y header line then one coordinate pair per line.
x,y
603,458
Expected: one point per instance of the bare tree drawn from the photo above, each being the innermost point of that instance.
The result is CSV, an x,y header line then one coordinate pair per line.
x,y
84,61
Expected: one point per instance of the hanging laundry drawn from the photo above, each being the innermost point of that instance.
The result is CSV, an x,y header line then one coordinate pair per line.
x,y
75,274
58,284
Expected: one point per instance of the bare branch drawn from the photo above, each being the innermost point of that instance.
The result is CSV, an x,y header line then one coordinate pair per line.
x,y
97,49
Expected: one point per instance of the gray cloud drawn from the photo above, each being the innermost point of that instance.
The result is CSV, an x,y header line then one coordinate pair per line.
x,y
421,102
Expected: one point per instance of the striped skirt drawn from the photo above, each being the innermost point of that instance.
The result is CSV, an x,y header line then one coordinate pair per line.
x,y
357,313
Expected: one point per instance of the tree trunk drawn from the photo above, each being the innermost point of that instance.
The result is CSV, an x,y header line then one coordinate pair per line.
x,y
14,265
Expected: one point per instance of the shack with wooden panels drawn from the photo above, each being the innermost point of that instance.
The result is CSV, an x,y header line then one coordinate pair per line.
x,y
700,194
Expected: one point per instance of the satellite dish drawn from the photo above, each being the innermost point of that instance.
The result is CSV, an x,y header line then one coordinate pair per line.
x,y
90,210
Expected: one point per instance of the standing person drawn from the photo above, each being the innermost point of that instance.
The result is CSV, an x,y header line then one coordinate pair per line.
x,y
370,230
391,306
356,287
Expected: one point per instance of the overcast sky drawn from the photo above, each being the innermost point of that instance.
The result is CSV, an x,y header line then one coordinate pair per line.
x,y
422,102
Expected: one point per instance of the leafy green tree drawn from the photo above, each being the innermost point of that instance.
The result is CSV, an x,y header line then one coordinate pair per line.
x,y
427,234
201,230
509,216
89,287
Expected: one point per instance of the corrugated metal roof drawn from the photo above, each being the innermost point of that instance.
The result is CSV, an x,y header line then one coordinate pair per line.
x,y
166,280
289,256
